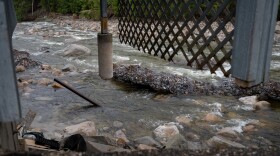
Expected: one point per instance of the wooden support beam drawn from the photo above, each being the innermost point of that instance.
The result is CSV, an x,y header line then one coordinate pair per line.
x,y
253,39
8,136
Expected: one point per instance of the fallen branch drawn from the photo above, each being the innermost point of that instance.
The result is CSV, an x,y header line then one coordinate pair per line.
x,y
76,92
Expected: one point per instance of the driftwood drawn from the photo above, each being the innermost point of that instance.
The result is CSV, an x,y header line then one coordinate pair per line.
x,y
182,85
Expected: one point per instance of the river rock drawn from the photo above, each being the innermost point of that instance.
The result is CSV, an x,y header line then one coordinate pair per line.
x,y
176,142
211,117
227,132
166,132
262,105
192,145
184,120
69,68
45,82
120,134
75,50
46,67
117,124
86,128
56,86
147,140
192,136
249,100
145,147
218,141
248,128
20,69
57,72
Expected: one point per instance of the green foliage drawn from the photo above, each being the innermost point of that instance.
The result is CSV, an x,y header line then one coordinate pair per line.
x,y
78,7
22,8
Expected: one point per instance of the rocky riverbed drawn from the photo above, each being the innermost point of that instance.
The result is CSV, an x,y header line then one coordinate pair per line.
x,y
131,114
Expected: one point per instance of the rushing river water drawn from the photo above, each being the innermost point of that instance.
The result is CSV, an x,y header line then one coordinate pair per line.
x,y
140,110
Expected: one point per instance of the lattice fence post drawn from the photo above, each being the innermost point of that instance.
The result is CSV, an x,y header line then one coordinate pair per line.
x,y
10,110
254,30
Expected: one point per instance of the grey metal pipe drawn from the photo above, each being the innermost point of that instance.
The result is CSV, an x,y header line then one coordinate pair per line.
x,y
104,17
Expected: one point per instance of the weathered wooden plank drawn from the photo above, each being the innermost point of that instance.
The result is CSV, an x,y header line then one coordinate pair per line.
x,y
10,109
8,137
254,30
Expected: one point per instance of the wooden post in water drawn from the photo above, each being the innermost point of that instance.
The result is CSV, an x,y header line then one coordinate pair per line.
x,y
10,110
253,39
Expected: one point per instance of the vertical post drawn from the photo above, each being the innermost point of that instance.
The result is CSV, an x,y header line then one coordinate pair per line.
x,y
105,45
254,30
10,110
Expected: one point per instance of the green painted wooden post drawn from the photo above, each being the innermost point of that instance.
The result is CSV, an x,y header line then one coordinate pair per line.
x,y
253,39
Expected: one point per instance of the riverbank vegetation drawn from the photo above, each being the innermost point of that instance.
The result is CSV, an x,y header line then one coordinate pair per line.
x,y
27,10
90,9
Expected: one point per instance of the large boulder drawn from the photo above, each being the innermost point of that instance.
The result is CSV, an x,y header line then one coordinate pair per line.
x,y
249,100
147,140
86,128
218,141
165,132
75,50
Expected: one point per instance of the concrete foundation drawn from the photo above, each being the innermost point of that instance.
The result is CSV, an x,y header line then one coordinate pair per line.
x,y
105,55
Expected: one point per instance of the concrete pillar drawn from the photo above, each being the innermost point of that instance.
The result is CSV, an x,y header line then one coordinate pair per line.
x,y
105,55
105,45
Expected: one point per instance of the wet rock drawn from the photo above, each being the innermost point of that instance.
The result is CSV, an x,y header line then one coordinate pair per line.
x,y
32,81
28,90
218,141
22,58
248,128
86,128
160,97
20,69
120,134
147,140
46,67
145,147
23,84
192,136
69,68
165,132
184,120
233,115
255,123
57,72
75,50
262,105
45,81
117,124
249,100
228,132
56,86
211,117
191,145
105,128
177,141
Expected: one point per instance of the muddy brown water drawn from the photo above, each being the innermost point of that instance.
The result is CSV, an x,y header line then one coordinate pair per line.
x,y
140,109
